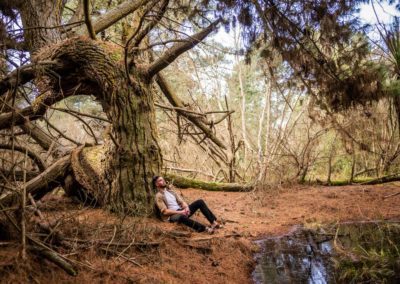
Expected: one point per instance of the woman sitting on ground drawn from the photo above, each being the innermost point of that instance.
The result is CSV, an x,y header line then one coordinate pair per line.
x,y
174,209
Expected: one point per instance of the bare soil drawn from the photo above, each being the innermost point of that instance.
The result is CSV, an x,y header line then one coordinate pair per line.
x,y
179,254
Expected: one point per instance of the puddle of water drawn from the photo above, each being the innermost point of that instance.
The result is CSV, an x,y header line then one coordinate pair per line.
x,y
326,254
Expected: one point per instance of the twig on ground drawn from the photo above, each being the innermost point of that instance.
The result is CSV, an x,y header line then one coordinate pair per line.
x,y
120,255
391,195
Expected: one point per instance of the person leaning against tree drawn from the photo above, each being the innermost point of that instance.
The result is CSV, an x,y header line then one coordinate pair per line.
x,y
173,208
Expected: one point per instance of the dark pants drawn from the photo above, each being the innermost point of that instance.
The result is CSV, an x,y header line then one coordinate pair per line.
x,y
198,204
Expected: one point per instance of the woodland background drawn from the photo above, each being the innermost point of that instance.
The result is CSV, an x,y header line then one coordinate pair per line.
x,y
98,96
286,122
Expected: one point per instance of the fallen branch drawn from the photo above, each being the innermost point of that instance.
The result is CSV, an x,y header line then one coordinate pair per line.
x,y
42,248
18,175
105,243
190,171
55,258
42,184
391,195
234,235
380,180
179,234
118,254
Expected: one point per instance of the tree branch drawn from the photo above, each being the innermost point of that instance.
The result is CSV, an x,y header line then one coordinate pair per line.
x,y
19,116
41,165
180,109
194,118
41,137
88,21
171,54
78,15
182,182
16,117
23,75
141,35
114,15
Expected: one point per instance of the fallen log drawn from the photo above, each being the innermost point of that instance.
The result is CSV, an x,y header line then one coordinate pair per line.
x,y
183,182
384,179
369,181
42,184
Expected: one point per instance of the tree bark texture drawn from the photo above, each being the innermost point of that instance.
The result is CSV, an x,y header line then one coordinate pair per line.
x,y
38,16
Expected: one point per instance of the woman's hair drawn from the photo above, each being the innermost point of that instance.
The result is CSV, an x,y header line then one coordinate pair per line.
x,y
154,180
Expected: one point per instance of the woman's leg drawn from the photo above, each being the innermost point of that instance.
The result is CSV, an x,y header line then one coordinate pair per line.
x,y
200,204
182,219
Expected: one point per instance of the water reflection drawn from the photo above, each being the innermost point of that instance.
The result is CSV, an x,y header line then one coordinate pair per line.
x,y
306,256
292,259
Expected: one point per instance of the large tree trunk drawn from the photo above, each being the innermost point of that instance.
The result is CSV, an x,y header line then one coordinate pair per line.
x,y
132,152
136,157
36,14
132,155
79,66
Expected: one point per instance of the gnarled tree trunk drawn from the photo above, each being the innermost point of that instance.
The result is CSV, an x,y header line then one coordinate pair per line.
x,y
132,154
80,66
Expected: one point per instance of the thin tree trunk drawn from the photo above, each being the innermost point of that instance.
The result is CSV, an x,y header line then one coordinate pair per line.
x,y
264,153
331,153
353,164
259,136
243,98
232,161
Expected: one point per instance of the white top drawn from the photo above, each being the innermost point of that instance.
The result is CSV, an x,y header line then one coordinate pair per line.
x,y
171,201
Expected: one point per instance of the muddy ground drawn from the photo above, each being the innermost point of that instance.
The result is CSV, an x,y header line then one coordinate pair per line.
x,y
105,249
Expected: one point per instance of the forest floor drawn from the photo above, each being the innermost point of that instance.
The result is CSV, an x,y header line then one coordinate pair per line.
x,y
106,250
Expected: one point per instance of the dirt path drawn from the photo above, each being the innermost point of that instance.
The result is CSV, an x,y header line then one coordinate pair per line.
x,y
199,258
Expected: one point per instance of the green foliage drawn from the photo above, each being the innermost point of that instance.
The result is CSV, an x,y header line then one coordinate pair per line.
x,y
372,256
393,88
